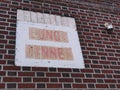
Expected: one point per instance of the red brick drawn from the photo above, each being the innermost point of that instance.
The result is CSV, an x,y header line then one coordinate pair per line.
x,y
4,32
64,70
95,31
15,6
92,48
114,40
109,43
118,85
116,76
110,50
54,85
99,45
2,73
110,81
2,85
11,79
11,28
10,37
96,66
2,62
115,67
10,46
12,21
87,61
36,3
87,70
40,79
88,33
93,57
53,74
101,86
98,75
55,6
90,41
26,85
11,68
97,38
117,55
39,69
3,41
83,44
116,47
5,1
9,56
89,81
27,5
83,26
2,51
101,53
4,23
65,80
91,24
118,63
92,18
107,71
17,0
77,75
112,58
79,86
4,15
26,74
104,62
85,52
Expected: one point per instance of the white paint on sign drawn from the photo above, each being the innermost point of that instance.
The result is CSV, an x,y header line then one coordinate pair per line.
x,y
65,21
33,17
52,20
20,15
40,18
27,16
46,18
58,21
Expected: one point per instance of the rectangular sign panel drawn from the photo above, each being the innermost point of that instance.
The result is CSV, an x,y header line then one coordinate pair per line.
x,y
47,45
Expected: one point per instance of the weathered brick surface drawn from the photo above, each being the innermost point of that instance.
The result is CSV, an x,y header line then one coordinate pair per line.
x,y
101,50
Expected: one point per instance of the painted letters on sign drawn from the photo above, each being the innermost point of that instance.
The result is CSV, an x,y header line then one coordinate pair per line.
x,y
46,52
47,35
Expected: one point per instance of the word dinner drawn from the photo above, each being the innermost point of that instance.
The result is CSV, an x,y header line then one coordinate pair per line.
x,y
47,52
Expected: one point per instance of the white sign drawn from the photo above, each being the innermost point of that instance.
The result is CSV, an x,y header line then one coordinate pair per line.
x,y
47,45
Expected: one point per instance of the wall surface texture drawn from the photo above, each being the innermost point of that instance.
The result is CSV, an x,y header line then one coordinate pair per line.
x,y
101,50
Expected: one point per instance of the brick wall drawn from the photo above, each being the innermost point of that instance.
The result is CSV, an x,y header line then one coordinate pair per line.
x,y
101,50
